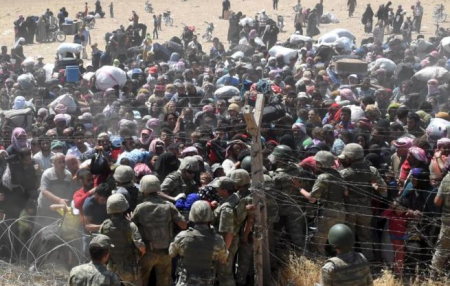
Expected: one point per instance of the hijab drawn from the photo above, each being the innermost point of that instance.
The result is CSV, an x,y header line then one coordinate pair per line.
x,y
166,164
16,142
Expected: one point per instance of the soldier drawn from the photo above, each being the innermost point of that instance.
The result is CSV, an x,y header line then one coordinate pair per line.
x,y
124,177
441,254
124,259
361,180
155,218
292,217
225,223
199,248
348,268
95,272
329,190
181,183
244,225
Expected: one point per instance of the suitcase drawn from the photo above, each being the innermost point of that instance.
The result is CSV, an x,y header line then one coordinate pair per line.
x,y
351,66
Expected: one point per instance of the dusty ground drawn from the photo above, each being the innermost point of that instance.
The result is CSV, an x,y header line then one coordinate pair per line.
x,y
190,12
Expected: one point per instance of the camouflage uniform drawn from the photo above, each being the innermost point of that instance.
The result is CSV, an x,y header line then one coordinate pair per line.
x,y
329,189
125,254
245,252
91,274
155,218
359,177
199,248
347,269
174,184
292,216
442,252
225,221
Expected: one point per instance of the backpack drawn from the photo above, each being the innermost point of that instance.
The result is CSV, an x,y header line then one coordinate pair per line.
x,y
18,118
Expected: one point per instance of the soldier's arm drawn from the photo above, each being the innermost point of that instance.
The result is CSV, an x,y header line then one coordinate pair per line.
x,y
137,239
221,250
320,185
327,274
226,226
443,191
177,218
378,182
167,187
174,248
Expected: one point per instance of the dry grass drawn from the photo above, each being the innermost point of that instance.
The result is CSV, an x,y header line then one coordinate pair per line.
x,y
13,275
303,272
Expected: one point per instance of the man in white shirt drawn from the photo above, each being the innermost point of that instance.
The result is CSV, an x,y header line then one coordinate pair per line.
x,y
418,13
87,40
44,157
81,149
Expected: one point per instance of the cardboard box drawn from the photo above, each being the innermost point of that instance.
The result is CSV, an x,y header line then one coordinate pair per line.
x,y
351,66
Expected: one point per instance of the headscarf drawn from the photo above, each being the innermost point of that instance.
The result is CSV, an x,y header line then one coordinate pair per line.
x,y
334,113
146,141
230,145
418,153
16,143
141,169
300,126
152,122
152,147
59,118
19,103
60,108
188,150
166,164
433,86
347,94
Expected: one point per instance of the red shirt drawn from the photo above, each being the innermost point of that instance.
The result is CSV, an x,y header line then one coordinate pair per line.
x,y
79,197
397,223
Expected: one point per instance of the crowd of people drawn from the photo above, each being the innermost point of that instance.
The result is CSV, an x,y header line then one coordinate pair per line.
x,y
158,169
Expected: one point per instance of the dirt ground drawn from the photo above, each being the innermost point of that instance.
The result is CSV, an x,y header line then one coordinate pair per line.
x,y
190,12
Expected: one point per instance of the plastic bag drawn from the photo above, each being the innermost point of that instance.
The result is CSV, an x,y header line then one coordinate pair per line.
x,y
430,73
67,100
445,44
286,52
99,164
109,76
295,39
69,48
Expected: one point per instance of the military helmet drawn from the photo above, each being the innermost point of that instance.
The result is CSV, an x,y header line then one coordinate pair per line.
x,y
123,174
149,184
281,152
246,164
352,151
341,236
189,164
240,177
116,203
200,212
325,158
